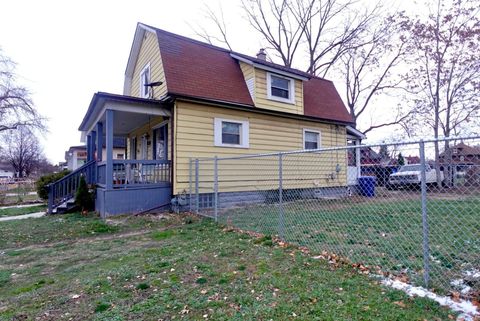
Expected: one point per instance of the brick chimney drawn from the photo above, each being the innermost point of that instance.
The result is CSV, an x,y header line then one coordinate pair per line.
x,y
262,55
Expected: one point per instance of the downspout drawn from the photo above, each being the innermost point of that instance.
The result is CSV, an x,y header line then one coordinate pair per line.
x,y
172,144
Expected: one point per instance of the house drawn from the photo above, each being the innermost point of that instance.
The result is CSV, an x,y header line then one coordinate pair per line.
x,y
461,162
7,173
185,99
461,154
412,159
76,156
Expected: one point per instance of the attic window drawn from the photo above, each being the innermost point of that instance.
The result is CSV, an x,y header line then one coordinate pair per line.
x,y
281,88
145,79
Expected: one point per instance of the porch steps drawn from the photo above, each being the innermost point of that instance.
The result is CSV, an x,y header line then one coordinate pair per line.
x,y
64,206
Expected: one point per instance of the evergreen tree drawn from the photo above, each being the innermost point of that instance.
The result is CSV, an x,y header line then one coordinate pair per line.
x,y
83,198
400,159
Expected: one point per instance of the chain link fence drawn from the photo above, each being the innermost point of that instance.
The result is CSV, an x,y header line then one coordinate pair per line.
x,y
410,209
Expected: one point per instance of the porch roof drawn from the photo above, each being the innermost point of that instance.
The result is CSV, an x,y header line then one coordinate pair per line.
x,y
134,112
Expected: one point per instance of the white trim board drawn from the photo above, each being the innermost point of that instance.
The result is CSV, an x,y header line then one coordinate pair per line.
x,y
267,68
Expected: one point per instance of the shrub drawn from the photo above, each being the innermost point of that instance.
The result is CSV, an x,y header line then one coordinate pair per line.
x,y
83,198
42,183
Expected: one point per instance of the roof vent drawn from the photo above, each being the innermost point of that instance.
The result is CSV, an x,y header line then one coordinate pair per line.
x,y
262,55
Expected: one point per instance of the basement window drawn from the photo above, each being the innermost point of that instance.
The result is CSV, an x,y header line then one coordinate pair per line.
x,y
280,88
231,133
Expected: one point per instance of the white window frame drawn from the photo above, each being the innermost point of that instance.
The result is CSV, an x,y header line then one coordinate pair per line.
x,y
319,141
291,89
244,133
142,84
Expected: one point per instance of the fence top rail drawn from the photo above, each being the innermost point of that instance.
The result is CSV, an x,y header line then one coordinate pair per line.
x,y
137,161
337,148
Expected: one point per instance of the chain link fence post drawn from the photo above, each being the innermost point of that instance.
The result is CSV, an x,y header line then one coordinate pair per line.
x,y
425,231
197,196
215,187
281,218
190,185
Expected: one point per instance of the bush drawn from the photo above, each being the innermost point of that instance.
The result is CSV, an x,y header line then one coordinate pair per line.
x,y
42,183
83,198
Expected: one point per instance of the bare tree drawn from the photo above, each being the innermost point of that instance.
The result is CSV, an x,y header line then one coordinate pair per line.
x,y
20,147
16,107
446,75
316,31
372,69
220,25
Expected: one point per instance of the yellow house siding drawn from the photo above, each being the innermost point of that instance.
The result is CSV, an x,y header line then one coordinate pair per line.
x,y
261,96
268,134
149,53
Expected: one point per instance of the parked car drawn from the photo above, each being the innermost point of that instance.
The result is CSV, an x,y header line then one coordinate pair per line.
x,y
411,175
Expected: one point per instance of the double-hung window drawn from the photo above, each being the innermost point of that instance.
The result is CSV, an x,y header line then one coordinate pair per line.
x,y
231,133
144,80
311,139
281,88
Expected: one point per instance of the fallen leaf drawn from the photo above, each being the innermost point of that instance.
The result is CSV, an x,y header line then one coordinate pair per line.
x,y
455,296
400,304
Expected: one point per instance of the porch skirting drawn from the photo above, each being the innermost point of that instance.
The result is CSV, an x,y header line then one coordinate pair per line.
x,y
131,200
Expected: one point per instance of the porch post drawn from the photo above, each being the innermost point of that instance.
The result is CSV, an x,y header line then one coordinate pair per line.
x,y
94,143
89,147
109,149
99,141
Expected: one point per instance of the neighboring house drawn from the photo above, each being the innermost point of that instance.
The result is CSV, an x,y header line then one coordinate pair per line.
x,y
184,99
461,154
6,173
412,160
76,156
464,160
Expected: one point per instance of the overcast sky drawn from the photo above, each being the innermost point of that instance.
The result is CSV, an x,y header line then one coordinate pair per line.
x,y
68,50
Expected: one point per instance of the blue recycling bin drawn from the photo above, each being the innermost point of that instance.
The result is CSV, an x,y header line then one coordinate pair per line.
x,y
367,185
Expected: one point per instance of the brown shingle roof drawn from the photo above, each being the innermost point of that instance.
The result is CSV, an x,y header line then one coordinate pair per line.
x,y
463,149
196,69
200,70
321,99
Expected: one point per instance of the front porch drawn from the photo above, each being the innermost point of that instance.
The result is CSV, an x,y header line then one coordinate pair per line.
x,y
141,179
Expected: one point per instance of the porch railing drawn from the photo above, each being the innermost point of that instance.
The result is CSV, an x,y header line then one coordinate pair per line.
x,y
131,173
65,188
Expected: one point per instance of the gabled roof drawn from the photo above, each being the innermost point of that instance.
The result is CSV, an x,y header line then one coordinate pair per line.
x,y
463,149
199,70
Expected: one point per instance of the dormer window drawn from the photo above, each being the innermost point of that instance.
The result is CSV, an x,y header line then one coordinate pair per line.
x,y
144,80
281,88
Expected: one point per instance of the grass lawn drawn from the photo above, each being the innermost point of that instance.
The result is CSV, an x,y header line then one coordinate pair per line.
x,y
13,211
385,233
144,268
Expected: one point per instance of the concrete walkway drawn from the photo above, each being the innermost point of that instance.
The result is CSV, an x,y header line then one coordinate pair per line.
x,y
19,206
20,194
21,217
